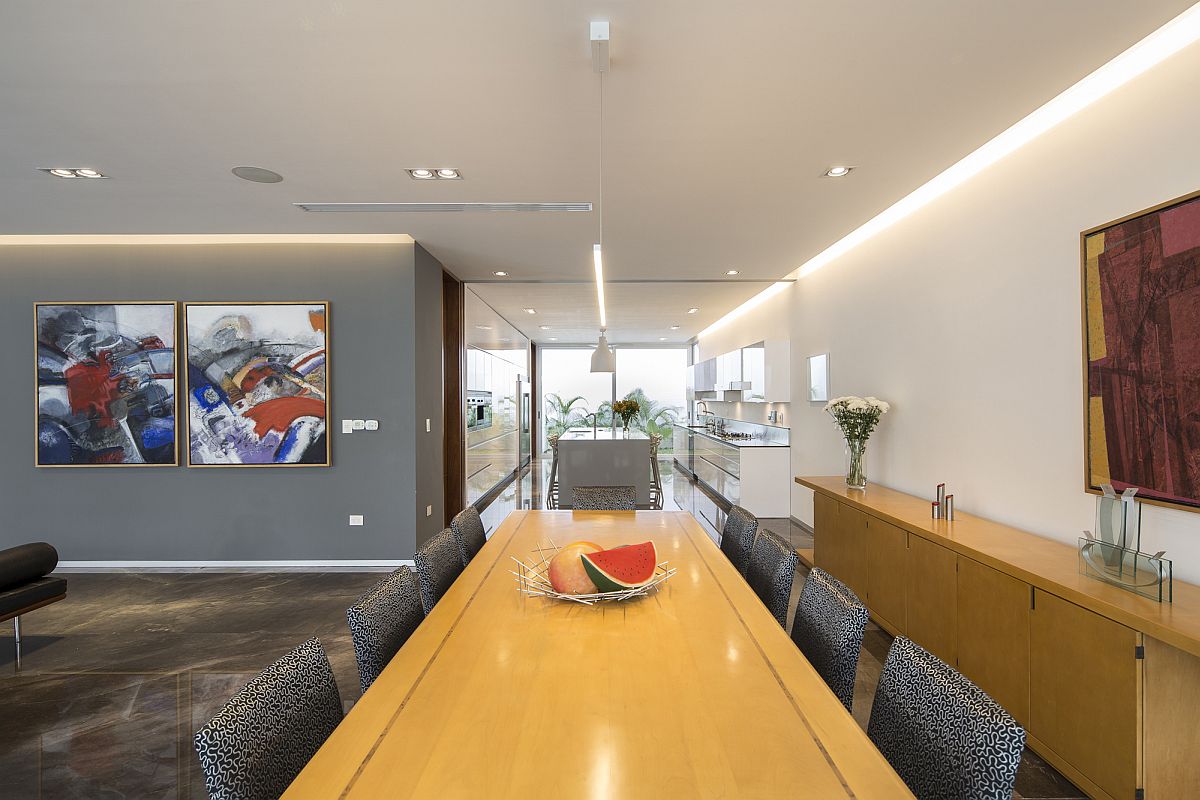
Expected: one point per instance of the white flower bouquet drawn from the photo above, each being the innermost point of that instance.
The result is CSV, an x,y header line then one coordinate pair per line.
x,y
857,417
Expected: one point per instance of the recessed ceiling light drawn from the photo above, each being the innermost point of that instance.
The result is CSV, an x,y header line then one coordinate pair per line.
x,y
838,171
674,327
554,338
484,327
544,327
422,174
431,174
500,273
693,310
73,172
731,272
257,174
662,338
531,311
449,174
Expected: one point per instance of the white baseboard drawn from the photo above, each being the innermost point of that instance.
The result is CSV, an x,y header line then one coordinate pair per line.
x,y
328,565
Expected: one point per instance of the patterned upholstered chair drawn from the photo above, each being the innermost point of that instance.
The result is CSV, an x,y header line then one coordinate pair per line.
x,y
261,739
771,572
438,564
940,732
381,622
468,533
604,498
737,536
828,629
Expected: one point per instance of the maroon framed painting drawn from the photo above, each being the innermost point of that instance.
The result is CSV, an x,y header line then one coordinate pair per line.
x,y
1141,332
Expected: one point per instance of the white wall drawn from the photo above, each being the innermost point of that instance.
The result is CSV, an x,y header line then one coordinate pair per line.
x,y
966,316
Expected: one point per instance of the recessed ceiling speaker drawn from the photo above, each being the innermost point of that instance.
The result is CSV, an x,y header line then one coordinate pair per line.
x,y
257,174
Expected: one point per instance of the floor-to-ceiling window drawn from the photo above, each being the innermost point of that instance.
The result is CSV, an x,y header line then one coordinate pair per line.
x,y
570,391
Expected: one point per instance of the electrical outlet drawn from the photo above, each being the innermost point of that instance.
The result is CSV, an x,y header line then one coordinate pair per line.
x,y
360,424
429,511
372,424
356,520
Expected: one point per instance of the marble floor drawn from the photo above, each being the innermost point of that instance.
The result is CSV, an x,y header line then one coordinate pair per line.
x,y
114,680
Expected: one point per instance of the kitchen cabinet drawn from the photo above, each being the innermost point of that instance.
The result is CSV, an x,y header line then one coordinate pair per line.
x,y
754,372
706,375
777,371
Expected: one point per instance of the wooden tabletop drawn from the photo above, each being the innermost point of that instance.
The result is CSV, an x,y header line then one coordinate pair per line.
x,y
1049,565
693,692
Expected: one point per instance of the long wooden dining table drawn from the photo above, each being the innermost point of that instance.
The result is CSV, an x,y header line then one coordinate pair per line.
x,y
693,691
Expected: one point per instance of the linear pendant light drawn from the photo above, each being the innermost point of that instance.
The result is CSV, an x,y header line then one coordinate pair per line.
x,y
603,359
1160,45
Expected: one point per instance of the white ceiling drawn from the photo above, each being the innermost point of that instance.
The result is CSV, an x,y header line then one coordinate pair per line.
x,y
720,117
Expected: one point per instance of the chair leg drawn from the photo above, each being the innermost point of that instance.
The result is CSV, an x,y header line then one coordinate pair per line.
x,y
17,638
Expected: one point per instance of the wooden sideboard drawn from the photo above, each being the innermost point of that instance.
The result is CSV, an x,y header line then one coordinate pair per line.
x,y
1106,683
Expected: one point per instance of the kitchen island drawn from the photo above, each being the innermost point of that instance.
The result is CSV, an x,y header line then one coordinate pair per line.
x,y
587,458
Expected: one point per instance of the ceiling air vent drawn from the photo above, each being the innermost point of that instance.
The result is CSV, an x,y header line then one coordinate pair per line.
x,y
361,207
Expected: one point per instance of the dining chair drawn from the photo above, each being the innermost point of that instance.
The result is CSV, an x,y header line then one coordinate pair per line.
x,y
468,533
941,733
381,622
604,498
737,536
259,741
828,629
771,572
438,564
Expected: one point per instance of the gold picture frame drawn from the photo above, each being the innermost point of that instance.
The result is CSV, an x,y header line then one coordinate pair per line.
x,y
46,421
325,392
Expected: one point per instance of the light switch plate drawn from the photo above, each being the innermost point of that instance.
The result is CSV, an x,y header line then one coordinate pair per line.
x,y
429,511
347,426
427,425
356,520
372,424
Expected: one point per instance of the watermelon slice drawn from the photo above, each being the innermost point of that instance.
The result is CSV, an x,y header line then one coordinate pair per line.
x,y
624,567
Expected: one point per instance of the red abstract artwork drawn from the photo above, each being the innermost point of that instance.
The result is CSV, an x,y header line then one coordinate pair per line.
x,y
1142,331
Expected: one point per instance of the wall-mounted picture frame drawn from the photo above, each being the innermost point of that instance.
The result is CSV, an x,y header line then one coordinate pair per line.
x,y
1140,279
818,378
258,380
105,378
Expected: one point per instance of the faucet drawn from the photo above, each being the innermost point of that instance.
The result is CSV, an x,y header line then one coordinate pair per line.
x,y
702,403
595,431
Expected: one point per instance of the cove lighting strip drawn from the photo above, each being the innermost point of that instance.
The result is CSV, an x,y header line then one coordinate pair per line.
x,y
600,283
1149,52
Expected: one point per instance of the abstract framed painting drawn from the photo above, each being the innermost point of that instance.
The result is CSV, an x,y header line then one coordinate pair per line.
x,y
258,384
105,377
1141,335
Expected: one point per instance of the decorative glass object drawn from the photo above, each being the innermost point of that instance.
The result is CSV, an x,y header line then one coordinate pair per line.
x,y
1141,573
856,463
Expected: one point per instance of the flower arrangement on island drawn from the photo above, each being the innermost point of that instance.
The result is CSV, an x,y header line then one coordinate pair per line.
x,y
626,409
857,417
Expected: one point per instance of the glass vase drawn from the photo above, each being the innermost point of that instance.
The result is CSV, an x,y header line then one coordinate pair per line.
x,y
625,429
856,463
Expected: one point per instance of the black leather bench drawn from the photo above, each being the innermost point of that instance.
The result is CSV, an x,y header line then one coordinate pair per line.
x,y
26,583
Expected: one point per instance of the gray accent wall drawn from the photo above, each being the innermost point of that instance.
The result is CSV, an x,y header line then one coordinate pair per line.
x,y
385,364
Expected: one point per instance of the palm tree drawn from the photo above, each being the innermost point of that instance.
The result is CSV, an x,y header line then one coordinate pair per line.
x,y
652,417
561,415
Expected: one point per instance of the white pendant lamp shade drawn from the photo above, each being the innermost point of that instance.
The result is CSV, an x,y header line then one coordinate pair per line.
x,y
603,359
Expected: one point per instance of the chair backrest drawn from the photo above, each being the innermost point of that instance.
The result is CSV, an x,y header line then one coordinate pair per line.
x,y
828,629
260,740
940,732
737,536
381,622
771,572
438,564
604,498
468,533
